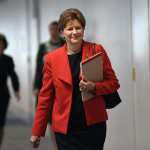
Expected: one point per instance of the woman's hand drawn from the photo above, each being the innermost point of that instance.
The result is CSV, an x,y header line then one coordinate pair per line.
x,y
87,86
35,141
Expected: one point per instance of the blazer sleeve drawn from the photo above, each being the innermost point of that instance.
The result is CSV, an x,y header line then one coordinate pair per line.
x,y
44,98
110,82
13,75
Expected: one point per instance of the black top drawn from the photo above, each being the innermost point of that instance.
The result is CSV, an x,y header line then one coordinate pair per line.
x,y
77,117
7,69
80,136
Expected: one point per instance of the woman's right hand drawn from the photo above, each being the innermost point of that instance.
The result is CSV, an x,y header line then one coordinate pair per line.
x,y
35,141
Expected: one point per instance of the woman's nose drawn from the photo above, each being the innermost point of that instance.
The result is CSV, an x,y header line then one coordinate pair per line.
x,y
74,30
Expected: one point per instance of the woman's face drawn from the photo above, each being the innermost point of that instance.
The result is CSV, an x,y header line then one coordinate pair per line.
x,y
73,32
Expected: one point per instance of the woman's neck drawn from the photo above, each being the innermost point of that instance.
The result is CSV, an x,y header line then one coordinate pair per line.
x,y
72,49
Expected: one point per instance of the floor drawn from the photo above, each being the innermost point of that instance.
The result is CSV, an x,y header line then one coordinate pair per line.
x,y
17,138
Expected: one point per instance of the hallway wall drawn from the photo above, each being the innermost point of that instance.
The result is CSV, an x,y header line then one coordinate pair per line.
x,y
141,56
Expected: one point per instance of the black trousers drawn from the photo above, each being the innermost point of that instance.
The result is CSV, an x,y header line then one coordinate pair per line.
x,y
4,102
92,138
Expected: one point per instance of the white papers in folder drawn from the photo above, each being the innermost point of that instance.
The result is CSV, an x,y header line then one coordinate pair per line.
x,y
92,70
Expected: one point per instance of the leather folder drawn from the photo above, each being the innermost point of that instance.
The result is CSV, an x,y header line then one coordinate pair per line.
x,y
92,70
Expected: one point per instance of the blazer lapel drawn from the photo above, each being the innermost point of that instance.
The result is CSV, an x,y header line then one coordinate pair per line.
x,y
64,72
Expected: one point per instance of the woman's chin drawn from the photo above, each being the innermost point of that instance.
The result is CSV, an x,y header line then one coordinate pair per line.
x,y
75,41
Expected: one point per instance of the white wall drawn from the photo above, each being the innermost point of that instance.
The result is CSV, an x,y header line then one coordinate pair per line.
x,y
142,64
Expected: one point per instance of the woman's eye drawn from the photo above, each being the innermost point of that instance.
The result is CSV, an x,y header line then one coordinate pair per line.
x,y
69,29
78,28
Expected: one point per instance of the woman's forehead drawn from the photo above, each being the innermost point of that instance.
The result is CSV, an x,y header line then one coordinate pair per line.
x,y
73,22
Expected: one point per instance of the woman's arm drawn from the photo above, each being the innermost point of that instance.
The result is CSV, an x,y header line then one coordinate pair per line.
x,y
14,78
110,82
46,92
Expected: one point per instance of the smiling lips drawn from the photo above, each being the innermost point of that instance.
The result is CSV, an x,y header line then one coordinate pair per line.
x,y
75,37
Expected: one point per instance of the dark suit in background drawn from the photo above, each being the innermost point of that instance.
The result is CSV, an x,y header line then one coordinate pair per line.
x,y
44,48
6,70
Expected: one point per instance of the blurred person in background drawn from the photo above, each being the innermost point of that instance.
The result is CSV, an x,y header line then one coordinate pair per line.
x,y
77,125
7,69
54,42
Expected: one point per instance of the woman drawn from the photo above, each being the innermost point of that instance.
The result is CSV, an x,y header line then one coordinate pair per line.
x,y
77,125
6,70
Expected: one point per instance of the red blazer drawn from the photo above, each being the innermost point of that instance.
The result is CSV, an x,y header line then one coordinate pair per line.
x,y
57,84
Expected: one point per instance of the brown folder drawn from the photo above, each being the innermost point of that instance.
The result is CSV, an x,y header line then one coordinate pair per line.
x,y
92,70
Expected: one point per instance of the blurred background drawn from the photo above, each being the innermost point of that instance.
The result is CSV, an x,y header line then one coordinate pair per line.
x,y
121,26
